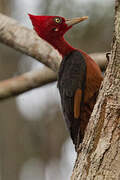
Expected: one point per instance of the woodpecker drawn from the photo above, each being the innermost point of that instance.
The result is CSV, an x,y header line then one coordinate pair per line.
x,y
79,77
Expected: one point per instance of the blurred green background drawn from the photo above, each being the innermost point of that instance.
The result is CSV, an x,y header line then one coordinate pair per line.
x,y
34,142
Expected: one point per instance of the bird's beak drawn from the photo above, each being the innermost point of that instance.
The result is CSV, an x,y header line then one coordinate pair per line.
x,y
73,21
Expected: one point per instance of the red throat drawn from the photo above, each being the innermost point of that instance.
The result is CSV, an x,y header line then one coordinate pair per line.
x,y
62,46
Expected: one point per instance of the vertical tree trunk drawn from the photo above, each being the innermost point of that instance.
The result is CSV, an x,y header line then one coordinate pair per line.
x,y
99,157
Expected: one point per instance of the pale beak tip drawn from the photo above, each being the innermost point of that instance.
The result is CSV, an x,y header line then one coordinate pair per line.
x,y
73,21
85,17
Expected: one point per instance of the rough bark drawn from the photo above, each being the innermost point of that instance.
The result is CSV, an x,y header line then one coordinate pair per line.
x,y
99,155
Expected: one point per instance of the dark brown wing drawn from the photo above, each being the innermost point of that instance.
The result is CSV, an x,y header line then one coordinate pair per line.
x,y
71,84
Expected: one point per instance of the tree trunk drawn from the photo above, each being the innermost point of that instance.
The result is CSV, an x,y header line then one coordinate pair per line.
x,y
99,155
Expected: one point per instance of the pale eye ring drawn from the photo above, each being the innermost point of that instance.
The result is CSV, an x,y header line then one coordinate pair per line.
x,y
58,20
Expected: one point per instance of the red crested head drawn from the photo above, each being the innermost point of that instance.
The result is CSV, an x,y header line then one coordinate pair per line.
x,y
49,27
53,28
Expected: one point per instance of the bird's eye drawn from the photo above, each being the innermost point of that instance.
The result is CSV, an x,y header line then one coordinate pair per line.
x,y
58,20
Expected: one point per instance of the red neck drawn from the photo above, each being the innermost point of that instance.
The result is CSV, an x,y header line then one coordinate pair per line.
x,y
62,46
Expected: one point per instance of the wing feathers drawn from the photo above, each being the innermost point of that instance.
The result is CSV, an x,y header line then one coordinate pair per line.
x,y
77,101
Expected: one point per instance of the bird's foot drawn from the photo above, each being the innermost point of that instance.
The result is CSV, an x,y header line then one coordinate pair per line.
x,y
108,56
